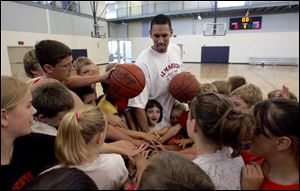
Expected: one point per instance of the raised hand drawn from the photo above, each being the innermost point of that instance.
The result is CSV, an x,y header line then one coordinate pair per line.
x,y
252,177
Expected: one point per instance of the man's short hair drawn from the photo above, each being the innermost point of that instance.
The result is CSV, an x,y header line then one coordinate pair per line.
x,y
51,98
161,19
168,171
51,52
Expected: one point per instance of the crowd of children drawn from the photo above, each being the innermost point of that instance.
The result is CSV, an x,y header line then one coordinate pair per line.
x,y
217,126
57,134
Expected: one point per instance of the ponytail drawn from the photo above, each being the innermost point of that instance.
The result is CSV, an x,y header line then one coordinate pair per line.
x,y
235,127
75,132
219,122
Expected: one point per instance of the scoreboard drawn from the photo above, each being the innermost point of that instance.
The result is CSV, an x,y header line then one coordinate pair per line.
x,y
245,23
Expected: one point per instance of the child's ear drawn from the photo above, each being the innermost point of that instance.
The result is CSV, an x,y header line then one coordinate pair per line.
x,y
4,118
100,138
48,68
193,125
283,143
42,118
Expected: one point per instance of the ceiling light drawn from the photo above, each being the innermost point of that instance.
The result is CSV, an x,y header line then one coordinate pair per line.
x,y
199,17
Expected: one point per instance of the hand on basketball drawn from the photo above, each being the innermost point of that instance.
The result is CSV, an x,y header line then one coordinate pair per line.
x,y
107,74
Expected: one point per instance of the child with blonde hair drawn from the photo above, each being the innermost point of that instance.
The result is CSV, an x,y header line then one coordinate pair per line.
x,y
85,66
245,97
23,154
79,139
32,66
208,87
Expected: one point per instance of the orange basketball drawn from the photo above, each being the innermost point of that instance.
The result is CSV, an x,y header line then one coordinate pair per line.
x,y
127,80
184,86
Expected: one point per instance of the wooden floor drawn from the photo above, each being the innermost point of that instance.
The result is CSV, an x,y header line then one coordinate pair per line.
x,y
268,77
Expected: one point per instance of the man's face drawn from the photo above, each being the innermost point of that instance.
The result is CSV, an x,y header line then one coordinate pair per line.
x,y
160,35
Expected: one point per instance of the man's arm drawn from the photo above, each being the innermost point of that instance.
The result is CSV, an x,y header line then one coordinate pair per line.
x,y
141,119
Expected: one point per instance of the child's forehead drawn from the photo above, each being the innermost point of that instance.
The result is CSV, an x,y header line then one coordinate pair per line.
x,y
154,107
177,110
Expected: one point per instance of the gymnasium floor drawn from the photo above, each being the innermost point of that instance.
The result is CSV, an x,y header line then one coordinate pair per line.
x,y
268,77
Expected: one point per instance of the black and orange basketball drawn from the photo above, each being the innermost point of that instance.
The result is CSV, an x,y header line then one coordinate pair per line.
x,y
184,86
127,80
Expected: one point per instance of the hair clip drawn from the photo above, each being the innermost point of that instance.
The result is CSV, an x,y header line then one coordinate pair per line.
x,y
77,115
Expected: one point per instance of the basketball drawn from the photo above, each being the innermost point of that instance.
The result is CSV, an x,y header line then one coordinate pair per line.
x,y
184,86
127,80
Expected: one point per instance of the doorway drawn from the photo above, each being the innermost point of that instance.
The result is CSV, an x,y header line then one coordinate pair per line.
x,y
215,54
16,55
119,51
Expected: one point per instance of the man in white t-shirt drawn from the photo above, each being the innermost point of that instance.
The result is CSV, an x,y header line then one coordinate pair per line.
x,y
160,63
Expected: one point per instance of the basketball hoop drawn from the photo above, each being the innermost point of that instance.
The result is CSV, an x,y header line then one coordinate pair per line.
x,y
214,29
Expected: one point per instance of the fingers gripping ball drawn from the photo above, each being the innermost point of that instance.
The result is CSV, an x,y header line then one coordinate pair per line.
x,y
127,80
184,86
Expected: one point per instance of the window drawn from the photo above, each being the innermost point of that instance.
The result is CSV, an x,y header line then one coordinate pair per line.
x,y
44,2
111,10
223,4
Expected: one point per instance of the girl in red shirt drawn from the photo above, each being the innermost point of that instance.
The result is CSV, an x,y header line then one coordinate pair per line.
x,y
274,147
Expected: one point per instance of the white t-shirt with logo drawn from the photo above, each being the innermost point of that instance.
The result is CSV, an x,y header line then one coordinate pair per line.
x,y
159,69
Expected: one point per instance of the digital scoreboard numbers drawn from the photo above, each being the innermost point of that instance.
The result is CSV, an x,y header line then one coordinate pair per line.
x,y
245,23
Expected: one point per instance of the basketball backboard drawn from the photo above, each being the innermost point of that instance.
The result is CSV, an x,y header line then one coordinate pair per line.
x,y
214,29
